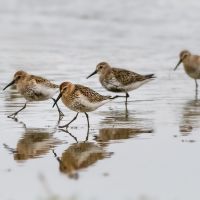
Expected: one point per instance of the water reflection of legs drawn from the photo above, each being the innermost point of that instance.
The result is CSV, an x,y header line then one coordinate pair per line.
x,y
11,150
196,95
24,125
126,105
75,138
126,111
66,131
196,84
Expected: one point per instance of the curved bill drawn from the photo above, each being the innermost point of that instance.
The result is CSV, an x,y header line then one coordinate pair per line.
x,y
59,96
92,74
179,62
11,83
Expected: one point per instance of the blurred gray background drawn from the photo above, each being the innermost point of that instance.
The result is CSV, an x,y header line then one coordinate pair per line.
x,y
155,150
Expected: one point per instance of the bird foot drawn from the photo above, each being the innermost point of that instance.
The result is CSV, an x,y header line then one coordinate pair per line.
x,y
65,126
12,116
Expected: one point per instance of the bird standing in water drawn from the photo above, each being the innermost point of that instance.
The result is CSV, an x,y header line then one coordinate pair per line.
x,y
80,99
120,80
33,88
191,64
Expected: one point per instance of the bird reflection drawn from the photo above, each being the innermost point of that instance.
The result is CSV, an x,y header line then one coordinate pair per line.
x,y
107,134
34,143
135,119
80,156
190,117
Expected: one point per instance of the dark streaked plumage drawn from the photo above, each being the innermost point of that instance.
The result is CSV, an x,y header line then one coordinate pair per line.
x,y
33,88
120,80
81,99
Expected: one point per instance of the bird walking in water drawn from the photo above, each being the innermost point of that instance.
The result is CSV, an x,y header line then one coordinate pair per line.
x,y
191,64
33,88
120,80
81,99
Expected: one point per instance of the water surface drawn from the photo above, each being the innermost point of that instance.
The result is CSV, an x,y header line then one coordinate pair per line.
x,y
151,152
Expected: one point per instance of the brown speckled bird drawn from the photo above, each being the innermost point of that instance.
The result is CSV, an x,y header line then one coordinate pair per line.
x,y
120,80
81,99
33,88
191,65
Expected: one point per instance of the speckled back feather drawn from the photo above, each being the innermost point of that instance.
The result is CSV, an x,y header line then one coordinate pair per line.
x,y
126,77
89,93
43,81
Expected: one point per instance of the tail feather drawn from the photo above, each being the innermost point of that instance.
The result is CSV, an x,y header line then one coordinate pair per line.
x,y
148,76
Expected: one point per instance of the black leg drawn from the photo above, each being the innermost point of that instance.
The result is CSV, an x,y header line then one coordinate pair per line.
x,y
88,123
196,84
66,125
56,156
9,148
59,111
126,104
196,91
15,113
127,96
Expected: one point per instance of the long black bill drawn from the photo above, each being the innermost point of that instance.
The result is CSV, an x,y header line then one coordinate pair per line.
x,y
92,74
11,83
179,62
59,96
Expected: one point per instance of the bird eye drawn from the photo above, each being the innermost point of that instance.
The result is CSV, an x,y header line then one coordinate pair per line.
x,y
100,67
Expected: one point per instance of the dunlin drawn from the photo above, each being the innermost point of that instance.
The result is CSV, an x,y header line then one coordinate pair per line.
x,y
191,65
33,88
80,99
120,80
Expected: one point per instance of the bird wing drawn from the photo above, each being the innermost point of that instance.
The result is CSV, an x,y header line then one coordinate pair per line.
x,y
41,87
42,81
125,77
90,94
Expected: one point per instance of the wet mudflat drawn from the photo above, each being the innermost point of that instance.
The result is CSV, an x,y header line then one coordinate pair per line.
x,y
149,152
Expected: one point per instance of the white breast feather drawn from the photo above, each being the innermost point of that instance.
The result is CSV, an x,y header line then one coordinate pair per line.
x,y
46,91
113,83
91,105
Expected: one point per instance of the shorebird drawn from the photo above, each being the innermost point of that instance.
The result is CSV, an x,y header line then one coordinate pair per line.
x,y
33,88
191,65
79,98
120,80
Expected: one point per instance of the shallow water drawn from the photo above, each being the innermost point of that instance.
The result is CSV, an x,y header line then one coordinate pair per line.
x,y
151,152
